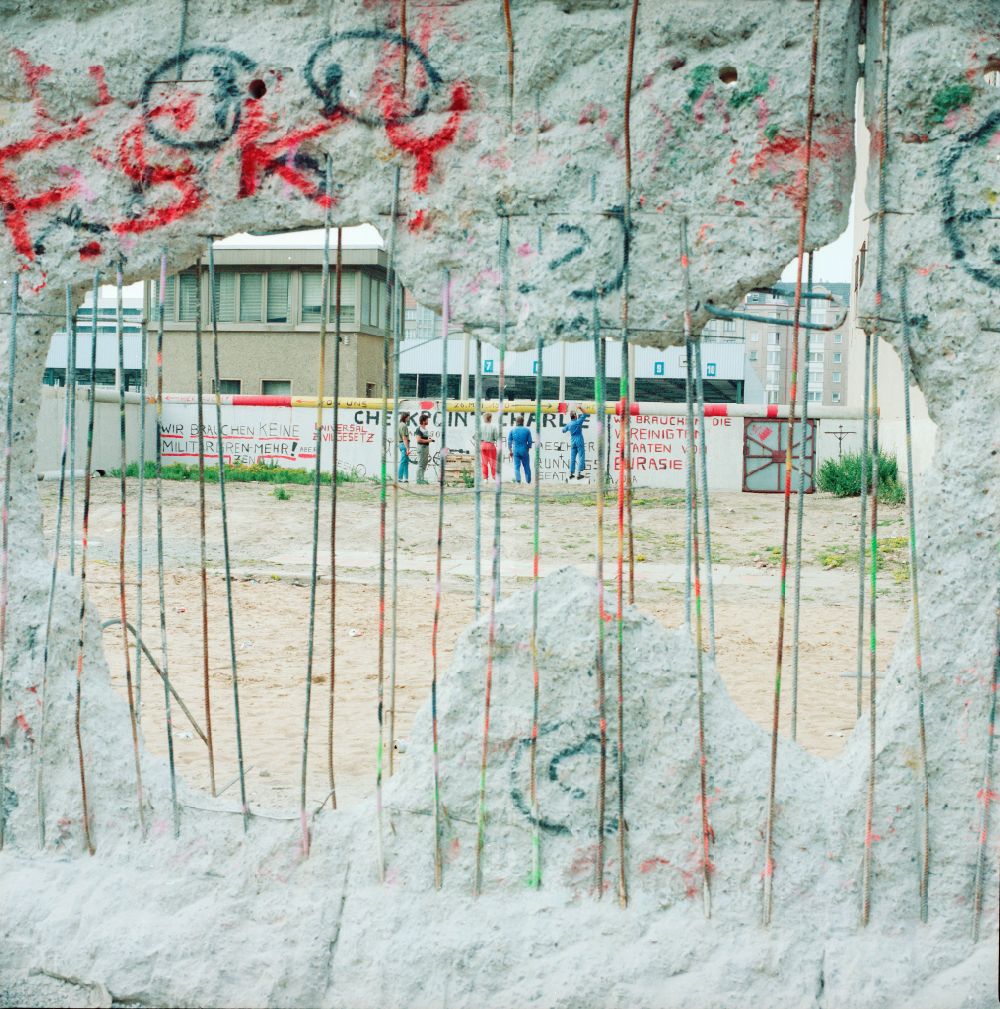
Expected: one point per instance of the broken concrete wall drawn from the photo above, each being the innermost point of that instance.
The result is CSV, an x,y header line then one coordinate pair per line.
x,y
106,159
937,184
109,161
110,157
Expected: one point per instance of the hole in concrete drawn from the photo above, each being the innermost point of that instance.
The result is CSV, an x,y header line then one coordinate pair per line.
x,y
271,584
271,556
257,88
728,75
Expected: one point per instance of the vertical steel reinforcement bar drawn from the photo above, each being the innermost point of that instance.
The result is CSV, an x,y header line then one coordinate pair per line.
x,y
918,661
395,302
535,879
317,498
693,362
160,569
866,865
883,147
71,395
862,526
395,310
50,605
602,722
445,319
91,401
200,390
8,456
625,474
706,835
383,513
334,473
986,794
140,558
477,477
122,529
768,873
688,502
226,553
495,581
701,450
509,29
623,492
800,498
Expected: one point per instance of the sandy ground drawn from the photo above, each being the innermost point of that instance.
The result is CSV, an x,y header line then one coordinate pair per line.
x,y
271,547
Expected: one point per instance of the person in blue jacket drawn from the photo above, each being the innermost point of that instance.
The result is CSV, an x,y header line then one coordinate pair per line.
x,y
577,447
519,445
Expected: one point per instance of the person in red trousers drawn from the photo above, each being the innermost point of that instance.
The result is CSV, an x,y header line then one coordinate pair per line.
x,y
489,435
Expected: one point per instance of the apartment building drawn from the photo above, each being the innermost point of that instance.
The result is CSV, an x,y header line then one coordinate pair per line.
x,y
768,346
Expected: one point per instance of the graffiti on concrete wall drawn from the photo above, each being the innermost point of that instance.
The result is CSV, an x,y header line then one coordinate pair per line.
x,y
105,170
970,176
211,100
286,437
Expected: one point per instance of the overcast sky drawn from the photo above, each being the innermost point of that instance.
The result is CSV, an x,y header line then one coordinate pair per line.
x,y
832,263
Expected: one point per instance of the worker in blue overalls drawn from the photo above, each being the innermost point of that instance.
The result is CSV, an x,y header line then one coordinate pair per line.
x,y
577,447
519,445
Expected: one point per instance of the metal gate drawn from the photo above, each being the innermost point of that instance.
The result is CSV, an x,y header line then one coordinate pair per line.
x,y
765,440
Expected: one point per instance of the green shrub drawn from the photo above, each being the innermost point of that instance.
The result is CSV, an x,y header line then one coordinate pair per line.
x,y
281,494
842,477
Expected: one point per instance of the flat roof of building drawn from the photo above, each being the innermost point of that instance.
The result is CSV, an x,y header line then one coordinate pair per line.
x,y
297,256
356,236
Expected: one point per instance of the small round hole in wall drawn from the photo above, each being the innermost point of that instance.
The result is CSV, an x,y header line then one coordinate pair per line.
x,y
257,88
728,75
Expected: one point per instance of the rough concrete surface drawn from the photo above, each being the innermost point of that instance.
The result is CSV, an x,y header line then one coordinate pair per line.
x,y
217,918
154,164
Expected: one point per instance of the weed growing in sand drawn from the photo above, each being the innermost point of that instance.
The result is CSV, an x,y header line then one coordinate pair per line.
x,y
238,473
767,557
281,494
833,557
893,557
